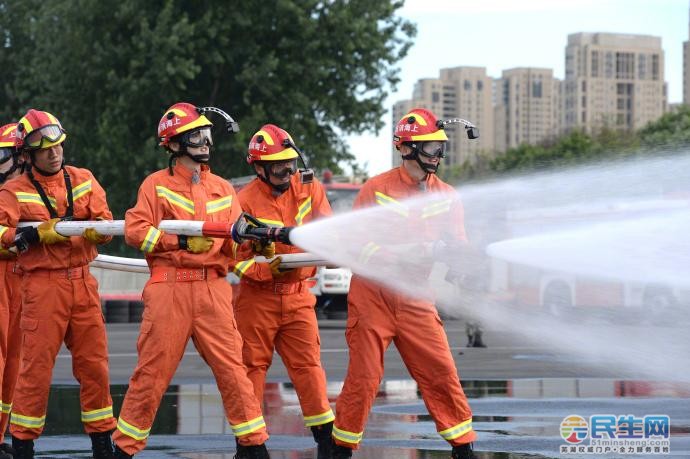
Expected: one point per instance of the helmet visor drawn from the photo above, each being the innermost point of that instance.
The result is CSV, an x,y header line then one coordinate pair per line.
x,y
39,138
282,169
6,154
433,149
198,138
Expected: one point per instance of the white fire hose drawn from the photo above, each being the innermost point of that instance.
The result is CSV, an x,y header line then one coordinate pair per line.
x,y
181,227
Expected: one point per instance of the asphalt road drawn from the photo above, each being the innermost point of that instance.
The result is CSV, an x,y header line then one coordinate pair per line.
x,y
508,356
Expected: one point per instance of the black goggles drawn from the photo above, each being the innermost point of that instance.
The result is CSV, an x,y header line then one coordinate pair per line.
x,y
43,136
282,169
197,138
431,149
6,154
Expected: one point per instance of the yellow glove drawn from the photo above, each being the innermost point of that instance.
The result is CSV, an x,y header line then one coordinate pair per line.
x,y
6,254
199,244
47,233
276,270
94,237
274,265
268,250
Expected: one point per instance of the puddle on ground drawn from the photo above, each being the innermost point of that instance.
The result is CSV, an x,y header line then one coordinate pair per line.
x,y
514,418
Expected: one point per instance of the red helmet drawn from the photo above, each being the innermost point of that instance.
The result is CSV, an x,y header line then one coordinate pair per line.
x,y
37,130
420,125
8,135
179,118
271,143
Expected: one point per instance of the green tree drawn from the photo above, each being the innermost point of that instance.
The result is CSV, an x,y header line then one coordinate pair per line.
x,y
671,131
109,69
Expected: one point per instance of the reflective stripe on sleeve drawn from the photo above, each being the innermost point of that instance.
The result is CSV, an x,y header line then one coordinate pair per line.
x,y
152,237
242,267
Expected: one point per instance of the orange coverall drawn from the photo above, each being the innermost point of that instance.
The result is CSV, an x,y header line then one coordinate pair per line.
x,y
60,302
377,316
278,313
10,336
186,296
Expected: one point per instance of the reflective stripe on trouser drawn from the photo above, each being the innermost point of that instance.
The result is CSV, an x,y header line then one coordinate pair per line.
x,y
286,323
66,310
174,312
376,318
10,334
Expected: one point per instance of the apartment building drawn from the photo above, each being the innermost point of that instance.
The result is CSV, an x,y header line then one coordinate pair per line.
x,y
613,80
526,107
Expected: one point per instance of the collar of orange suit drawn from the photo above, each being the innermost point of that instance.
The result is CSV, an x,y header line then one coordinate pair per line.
x,y
47,179
186,174
408,180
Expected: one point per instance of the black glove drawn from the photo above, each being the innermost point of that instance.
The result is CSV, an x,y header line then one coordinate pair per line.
x,y
25,237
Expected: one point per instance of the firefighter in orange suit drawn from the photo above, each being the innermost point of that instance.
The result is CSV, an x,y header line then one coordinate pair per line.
x,y
377,315
275,310
60,297
10,297
187,295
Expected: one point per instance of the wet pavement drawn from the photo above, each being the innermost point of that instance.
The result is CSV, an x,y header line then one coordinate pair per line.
x,y
514,419
520,393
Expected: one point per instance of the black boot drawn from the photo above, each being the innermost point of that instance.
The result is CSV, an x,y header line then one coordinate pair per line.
x,y
119,454
478,339
463,452
24,448
252,452
101,445
6,451
341,452
322,437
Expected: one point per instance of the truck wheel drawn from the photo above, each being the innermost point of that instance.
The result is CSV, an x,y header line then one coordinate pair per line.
x,y
117,311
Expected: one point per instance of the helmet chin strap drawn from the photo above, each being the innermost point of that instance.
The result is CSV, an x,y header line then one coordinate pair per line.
x,y
200,159
282,188
428,168
10,171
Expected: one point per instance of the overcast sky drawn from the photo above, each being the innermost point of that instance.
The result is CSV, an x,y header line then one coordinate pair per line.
x,y
502,34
